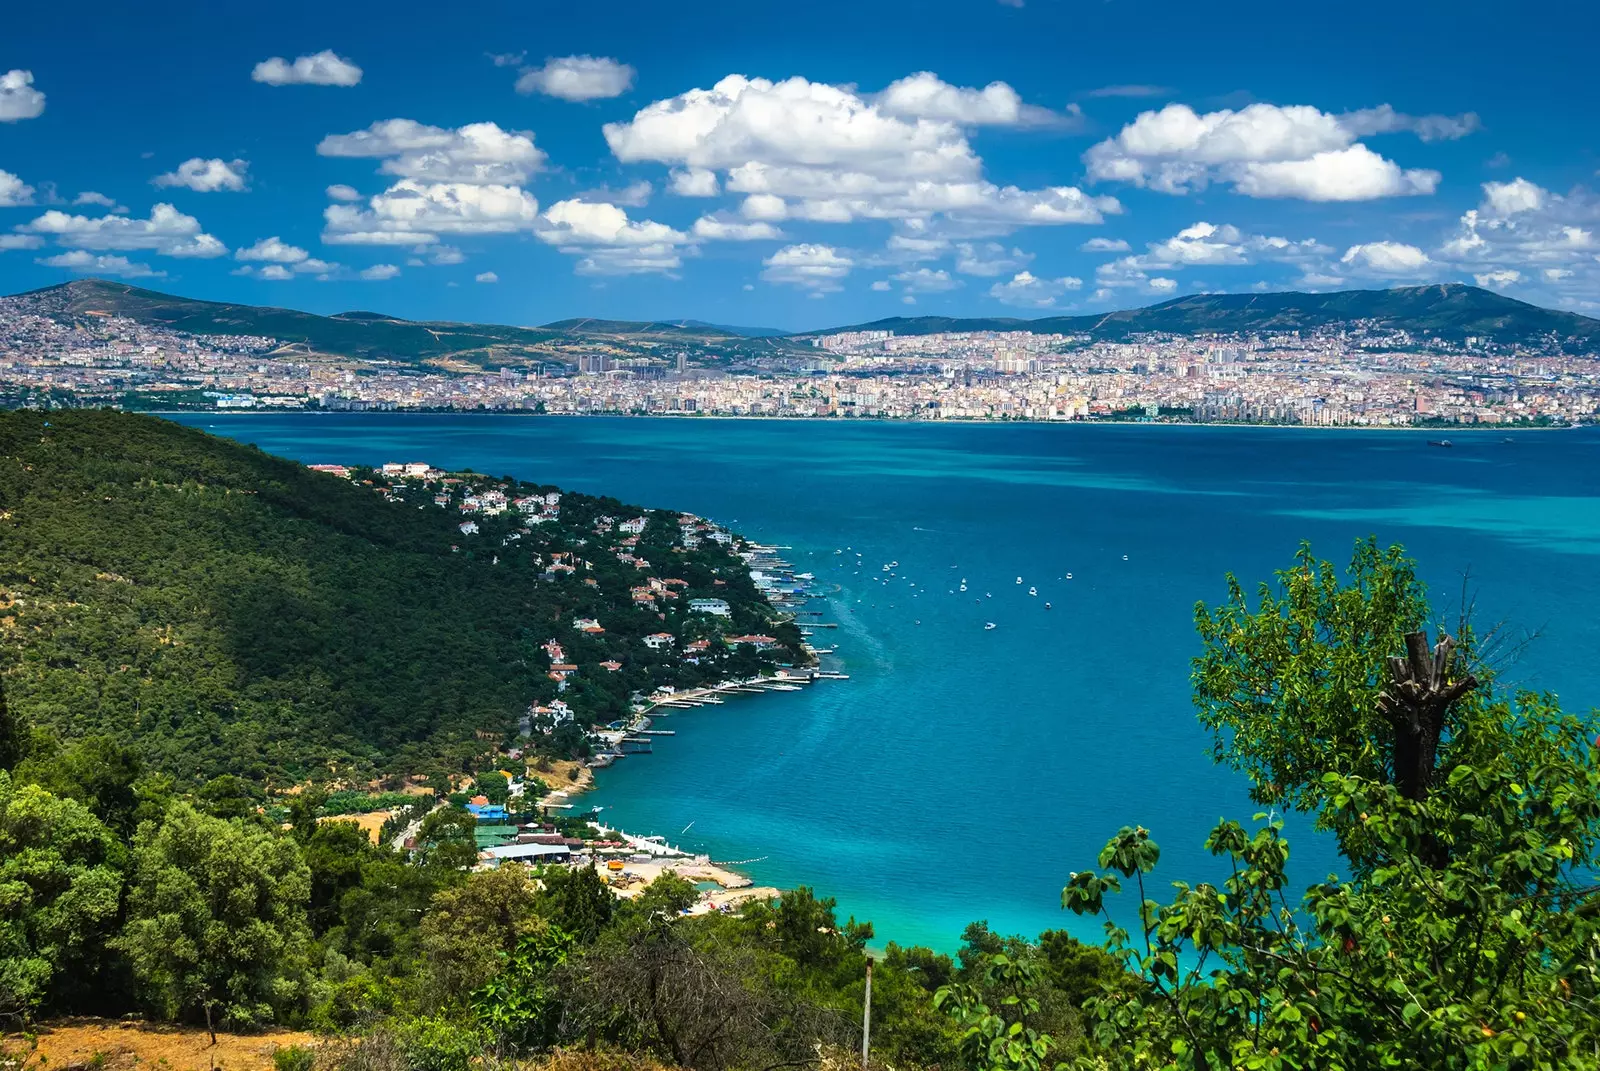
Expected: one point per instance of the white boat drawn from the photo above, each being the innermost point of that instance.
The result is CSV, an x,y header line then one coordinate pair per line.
x,y
1019,579
987,625
963,587
1069,576
1124,557
1033,591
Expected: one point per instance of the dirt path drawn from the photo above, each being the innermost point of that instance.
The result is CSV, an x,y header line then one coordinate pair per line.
x,y
122,1046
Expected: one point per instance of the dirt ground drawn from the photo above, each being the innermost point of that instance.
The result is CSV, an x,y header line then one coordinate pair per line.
x,y
371,823
124,1046
563,789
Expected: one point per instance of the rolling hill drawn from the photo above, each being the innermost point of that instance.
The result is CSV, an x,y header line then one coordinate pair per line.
x,y
364,335
224,610
1451,310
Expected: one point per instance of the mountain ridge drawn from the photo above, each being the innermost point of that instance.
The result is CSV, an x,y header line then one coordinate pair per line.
x,y
1451,311
1448,310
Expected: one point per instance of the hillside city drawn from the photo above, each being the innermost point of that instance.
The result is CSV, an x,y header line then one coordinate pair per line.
x,y
1358,373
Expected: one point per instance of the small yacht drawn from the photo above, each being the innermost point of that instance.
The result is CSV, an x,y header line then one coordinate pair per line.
x,y
1124,557
988,625
1069,576
1047,606
1019,579
1033,591
963,586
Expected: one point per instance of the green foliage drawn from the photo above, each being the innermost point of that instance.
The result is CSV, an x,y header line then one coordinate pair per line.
x,y
521,1005
293,1058
1468,934
216,918
494,786
220,611
439,1044
60,882
471,929
445,840
1001,1038
1291,686
98,772
577,902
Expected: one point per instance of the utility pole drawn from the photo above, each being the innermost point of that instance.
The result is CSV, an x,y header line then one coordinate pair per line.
x,y
866,1016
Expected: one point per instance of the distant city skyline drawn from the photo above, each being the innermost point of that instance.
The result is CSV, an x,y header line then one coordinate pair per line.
x,y
524,164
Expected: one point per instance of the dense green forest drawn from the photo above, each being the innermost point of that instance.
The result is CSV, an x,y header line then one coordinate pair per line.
x,y
227,612
1464,933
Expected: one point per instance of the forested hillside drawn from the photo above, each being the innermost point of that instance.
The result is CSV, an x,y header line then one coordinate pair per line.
x,y
231,612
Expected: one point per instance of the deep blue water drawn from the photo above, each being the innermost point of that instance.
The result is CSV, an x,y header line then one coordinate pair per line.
x,y
963,773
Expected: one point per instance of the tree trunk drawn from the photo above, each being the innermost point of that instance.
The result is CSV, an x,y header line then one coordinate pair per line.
x,y
1419,695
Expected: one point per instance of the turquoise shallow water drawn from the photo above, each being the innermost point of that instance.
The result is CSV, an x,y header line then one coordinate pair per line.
x,y
963,773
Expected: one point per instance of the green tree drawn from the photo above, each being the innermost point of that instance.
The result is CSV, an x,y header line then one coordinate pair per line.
x,y
445,839
337,855
521,1005
1468,934
1004,1036
216,918
577,902
60,884
471,929
13,735
494,787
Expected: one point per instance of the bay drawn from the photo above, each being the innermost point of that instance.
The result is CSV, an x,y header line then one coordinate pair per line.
x,y
962,773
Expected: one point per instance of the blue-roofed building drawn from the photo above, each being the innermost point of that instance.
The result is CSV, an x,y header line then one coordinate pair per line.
x,y
488,812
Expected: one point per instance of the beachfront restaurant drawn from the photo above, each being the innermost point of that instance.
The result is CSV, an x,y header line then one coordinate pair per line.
x,y
527,853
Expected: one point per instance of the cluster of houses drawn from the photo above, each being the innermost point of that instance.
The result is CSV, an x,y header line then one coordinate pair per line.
x,y
475,499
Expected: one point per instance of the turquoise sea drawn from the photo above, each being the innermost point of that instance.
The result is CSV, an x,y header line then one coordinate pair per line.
x,y
963,773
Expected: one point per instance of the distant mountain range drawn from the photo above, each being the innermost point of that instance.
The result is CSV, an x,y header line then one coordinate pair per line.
x,y
1450,311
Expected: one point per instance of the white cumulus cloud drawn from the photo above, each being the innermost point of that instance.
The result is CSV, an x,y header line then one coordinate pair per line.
x,y
578,78
168,232
720,229
989,259
93,197
272,249
1498,280
486,277
1388,259
808,150
340,192
607,242
480,153
415,213
926,280
1547,239
1262,150
379,272
925,95
20,241
319,69
694,182
13,191
1353,174
18,99
89,263
1027,290
206,176
1385,120
810,266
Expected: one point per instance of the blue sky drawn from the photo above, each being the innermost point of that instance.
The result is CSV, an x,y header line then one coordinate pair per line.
x,y
797,165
